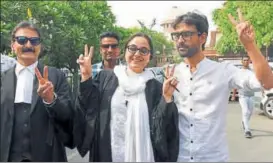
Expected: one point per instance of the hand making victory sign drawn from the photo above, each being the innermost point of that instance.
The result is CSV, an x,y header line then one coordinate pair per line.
x,y
170,83
244,29
46,88
246,35
85,63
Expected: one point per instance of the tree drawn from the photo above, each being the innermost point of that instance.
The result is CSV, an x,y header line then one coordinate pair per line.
x,y
124,34
161,43
258,13
162,46
66,26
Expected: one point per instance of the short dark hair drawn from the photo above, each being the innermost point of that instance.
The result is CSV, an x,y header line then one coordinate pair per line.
x,y
195,18
140,34
246,56
24,24
109,34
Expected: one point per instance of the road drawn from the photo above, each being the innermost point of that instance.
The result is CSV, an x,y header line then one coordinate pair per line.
x,y
257,149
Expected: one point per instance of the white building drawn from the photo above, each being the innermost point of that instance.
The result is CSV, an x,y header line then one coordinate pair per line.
x,y
166,24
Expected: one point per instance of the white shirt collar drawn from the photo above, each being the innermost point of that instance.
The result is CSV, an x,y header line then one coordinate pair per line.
x,y
202,62
19,67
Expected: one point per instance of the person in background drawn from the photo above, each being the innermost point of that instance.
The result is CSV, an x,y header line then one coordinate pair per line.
x,y
246,100
109,50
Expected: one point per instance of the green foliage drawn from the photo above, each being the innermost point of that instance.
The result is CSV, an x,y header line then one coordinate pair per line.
x,y
177,58
65,26
161,43
124,34
259,13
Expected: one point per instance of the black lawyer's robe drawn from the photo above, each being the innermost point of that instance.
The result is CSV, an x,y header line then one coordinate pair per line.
x,y
94,108
49,126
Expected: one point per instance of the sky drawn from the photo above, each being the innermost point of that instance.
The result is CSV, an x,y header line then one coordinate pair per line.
x,y
128,12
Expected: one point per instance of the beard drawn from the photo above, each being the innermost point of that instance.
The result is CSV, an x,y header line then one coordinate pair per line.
x,y
109,59
186,51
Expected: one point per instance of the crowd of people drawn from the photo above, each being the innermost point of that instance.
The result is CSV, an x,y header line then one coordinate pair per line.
x,y
122,113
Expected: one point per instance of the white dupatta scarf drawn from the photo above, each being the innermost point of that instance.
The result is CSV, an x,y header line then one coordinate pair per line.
x,y
138,145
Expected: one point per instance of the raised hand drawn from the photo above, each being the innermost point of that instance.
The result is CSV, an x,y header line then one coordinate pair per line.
x,y
46,88
244,29
85,63
169,85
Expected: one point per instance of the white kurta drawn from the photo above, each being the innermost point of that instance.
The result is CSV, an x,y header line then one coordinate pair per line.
x,y
130,130
118,119
202,105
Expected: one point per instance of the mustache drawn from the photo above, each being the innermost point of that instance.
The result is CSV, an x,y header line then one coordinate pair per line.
x,y
24,49
109,53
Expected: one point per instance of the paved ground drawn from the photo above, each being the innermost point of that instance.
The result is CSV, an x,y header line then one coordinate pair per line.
x,y
257,149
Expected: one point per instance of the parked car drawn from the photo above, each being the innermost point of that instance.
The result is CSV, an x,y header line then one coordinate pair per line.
x,y
266,104
267,101
264,101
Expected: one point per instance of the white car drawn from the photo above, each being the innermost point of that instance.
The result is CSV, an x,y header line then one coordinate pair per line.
x,y
265,100
266,103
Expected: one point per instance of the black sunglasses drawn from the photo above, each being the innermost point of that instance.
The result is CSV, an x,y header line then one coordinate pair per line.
x,y
107,46
186,35
22,40
133,49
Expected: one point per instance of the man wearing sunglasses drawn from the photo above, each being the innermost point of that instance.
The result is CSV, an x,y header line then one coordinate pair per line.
x,y
205,87
36,111
109,50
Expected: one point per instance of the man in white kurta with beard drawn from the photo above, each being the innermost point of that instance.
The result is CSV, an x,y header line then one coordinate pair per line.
x,y
205,87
